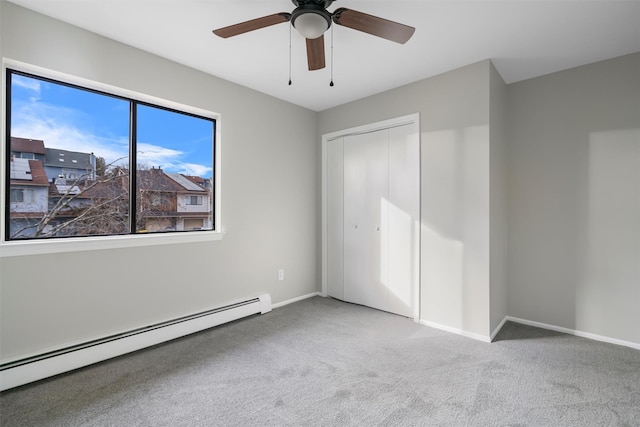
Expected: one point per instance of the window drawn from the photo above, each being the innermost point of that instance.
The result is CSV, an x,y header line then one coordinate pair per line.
x,y
21,195
192,224
114,165
194,200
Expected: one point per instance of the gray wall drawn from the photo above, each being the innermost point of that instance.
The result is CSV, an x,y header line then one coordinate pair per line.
x,y
455,186
568,143
543,223
270,210
574,199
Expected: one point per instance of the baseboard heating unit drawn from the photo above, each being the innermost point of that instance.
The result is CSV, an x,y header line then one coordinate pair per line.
x,y
28,369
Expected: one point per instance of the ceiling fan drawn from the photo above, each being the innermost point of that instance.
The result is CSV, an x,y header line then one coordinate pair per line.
x,y
312,19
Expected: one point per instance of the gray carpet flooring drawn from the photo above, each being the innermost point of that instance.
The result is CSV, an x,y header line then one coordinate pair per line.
x,y
322,362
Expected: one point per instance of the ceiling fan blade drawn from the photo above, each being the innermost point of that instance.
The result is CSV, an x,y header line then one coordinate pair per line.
x,y
254,24
315,53
373,25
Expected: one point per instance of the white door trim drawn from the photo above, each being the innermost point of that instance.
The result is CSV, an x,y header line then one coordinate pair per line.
x,y
411,119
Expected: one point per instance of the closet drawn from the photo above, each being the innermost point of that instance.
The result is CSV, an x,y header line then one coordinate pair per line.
x,y
372,216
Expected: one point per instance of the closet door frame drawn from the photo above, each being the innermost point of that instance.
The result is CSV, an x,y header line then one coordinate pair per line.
x,y
411,119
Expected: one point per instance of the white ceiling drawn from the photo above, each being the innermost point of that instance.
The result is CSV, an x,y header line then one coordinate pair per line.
x,y
524,38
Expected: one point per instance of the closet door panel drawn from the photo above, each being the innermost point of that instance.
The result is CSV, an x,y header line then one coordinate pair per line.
x,y
335,222
365,219
404,219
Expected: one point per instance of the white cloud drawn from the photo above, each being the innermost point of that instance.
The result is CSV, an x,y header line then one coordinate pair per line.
x,y
194,169
26,83
156,154
55,125
169,160
67,137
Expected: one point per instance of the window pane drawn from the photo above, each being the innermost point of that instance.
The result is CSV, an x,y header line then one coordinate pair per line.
x,y
17,195
69,158
70,168
175,165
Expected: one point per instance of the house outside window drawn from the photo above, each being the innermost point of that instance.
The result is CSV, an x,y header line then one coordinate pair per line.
x,y
95,176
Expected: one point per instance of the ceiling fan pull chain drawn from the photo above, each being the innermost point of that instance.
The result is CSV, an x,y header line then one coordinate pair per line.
x,y
290,54
331,82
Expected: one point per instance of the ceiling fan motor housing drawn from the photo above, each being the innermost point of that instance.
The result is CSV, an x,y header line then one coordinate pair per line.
x,y
323,3
310,11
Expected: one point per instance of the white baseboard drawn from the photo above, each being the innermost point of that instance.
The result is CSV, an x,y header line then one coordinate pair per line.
x,y
577,333
541,325
457,331
36,367
497,329
292,300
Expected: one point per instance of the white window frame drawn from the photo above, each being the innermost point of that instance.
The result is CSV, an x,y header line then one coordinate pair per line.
x,y
9,248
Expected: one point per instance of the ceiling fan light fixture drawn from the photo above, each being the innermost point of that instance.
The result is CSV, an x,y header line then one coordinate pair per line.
x,y
311,19
311,24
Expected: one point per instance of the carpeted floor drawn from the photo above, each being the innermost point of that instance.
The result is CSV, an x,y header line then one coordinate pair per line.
x,y
321,362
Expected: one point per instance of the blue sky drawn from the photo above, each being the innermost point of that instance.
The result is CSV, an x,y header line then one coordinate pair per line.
x,y
78,120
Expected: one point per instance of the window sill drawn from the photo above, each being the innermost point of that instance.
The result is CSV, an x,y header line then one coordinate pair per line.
x,y
39,247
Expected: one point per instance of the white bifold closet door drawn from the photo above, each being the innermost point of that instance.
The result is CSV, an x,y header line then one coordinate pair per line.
x,y
373,226
366,219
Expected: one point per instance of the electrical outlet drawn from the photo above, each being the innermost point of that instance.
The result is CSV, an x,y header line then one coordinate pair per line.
x,y
281,274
